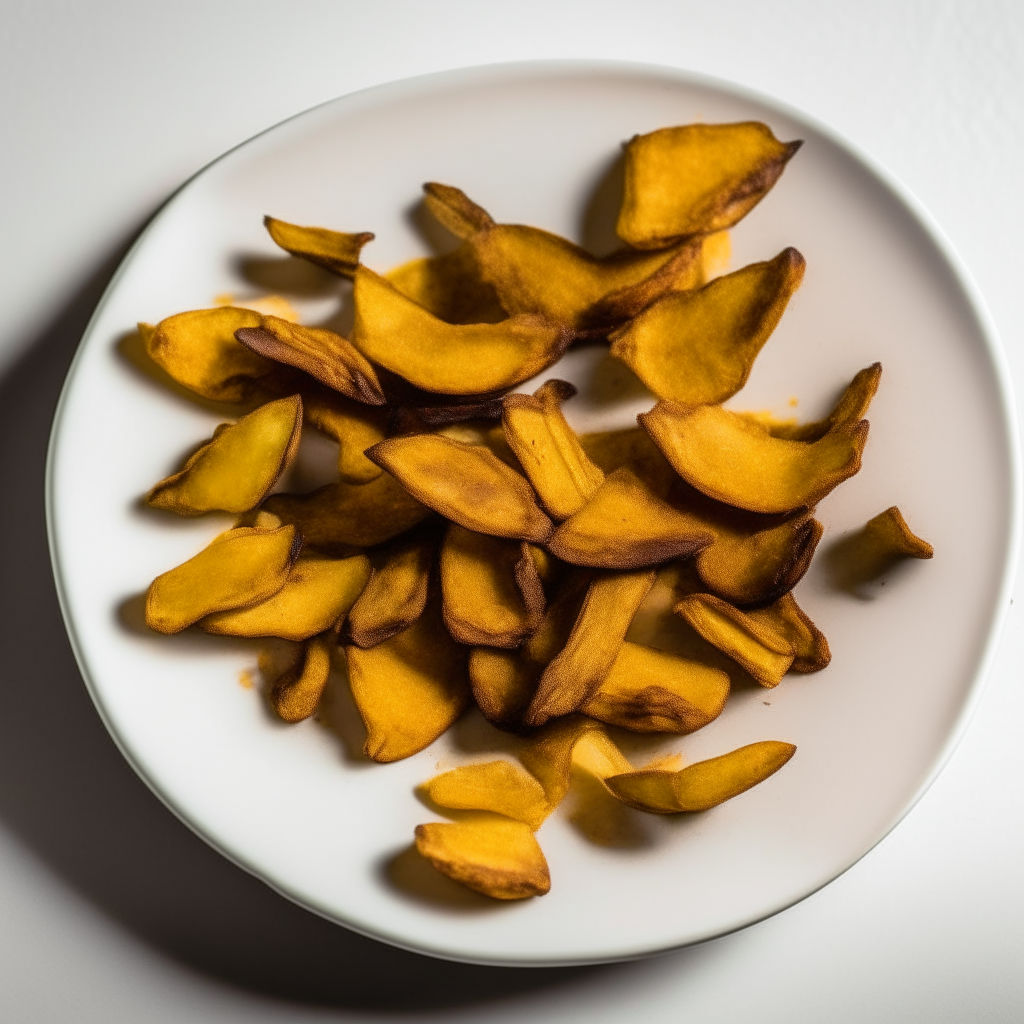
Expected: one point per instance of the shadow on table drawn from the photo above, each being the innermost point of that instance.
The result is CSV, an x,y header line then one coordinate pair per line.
x,y
68,795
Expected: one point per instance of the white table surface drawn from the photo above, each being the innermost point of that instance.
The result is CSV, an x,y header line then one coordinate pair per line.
x,y
110,910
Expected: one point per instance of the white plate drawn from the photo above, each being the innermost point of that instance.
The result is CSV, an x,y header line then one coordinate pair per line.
x,y
531,142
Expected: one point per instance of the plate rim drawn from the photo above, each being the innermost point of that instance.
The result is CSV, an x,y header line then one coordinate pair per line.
x,y
398,89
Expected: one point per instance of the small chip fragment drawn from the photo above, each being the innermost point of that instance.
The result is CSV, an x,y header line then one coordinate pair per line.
x,y
295,695
498,786
703,785
494,855
234,471
889,534
238,568
333,250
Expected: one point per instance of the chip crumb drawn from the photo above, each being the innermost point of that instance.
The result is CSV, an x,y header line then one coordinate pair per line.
x,y
246,679
793,401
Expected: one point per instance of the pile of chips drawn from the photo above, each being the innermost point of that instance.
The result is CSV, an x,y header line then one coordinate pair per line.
x,y
474,548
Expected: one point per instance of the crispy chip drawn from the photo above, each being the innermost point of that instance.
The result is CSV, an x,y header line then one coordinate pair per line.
x,y
235,470
698,347
493,855
498,786
889,534
353,425
465,483
548,757
789,620
332,250
238,568
296,694
503,684
696,178
703,785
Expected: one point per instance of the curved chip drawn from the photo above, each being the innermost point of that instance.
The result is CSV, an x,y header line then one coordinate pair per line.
x,y
549,450
889,534
626,525
483,601
339,517
580,668
448,359
755,645
396,594
699,346
652,691
465,483
332,250
696,178
548,757
324,355
353,425
498,786
238,568
788,619
534,271
703,785
317,594
728,458
410,688
493,855
295,695
198,349
235,470
503,684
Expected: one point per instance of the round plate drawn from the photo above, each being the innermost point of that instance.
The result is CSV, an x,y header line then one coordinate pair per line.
x,y
537,144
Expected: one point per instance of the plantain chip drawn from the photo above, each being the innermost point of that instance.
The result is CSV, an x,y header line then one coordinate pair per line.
x,y
238,568
341,517
198,349
410,688
324,355
789,620
652,691
595,753
296,694
353,425
580,668
465,483
699,346
631,448
534,271
498,786
448,359
695,179
490,854
737,462
332,250
703,785
626,525
450,287
548,449
317,594
503,684
754,644
483,600
548,756
890,536
234,471
396,594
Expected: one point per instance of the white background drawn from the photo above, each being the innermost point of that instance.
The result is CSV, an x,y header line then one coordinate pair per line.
x,y
109,909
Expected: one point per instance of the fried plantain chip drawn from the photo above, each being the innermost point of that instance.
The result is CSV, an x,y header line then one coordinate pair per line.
x,y
503,684
549,450
695,179
332,250
498,786
548,757
448,359
483,601
703,785
410,688
699,346
198,349
354,426
625,525
317,594
889,534
324,355
296,694
238,568
450,287
577,672
465,483
341,517
490,854
632,448
737,462
789,620
534,271
753,644
651,691
396,594
235,470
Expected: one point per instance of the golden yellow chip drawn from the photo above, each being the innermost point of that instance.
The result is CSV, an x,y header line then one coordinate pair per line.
x,y
353,425
498,786
332,250
788,619
296,694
